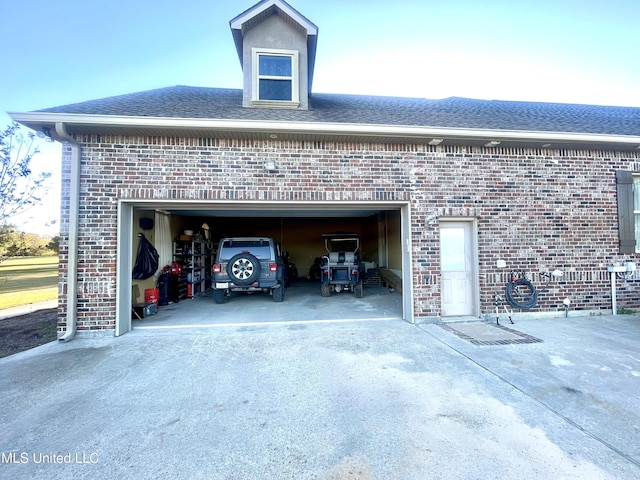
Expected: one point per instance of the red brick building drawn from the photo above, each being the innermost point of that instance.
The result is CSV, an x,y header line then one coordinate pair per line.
x,y
448,195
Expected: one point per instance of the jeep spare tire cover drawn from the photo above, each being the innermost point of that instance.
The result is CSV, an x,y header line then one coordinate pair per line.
x,y
243,269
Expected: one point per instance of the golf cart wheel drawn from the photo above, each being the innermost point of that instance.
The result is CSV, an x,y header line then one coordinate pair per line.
x,y
243,269
219,297
359,290
325,290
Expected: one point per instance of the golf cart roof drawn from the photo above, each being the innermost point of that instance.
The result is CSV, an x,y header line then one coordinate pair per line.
x,y
339,235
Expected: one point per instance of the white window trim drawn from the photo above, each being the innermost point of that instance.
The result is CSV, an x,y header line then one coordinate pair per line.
x,y
295,79
636,180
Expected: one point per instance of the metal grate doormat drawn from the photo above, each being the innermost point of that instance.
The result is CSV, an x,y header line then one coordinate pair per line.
x,y
484,333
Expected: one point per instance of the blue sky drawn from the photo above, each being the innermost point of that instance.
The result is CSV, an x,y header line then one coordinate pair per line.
x,y
569,51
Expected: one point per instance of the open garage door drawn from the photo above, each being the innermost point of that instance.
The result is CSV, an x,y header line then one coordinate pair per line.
x,y
384,228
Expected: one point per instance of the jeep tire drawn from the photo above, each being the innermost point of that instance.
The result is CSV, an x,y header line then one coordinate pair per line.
x,y
243,269
219,296
278,293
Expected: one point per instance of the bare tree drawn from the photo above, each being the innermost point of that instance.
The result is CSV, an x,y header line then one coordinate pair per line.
x,y
20,188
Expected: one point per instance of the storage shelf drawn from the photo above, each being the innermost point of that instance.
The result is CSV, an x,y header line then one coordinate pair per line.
x,y
196,260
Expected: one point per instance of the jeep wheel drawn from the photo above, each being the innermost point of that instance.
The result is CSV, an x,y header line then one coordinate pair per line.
x,y
244,269
325,290
359,290
219,296
278,293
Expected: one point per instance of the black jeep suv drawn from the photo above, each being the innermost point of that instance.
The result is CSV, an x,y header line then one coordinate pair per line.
x,y
249,264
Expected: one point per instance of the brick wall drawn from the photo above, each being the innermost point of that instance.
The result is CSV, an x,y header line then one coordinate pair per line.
x,y
537,209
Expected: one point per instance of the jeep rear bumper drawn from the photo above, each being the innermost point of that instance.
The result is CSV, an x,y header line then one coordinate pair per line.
x,y
254,287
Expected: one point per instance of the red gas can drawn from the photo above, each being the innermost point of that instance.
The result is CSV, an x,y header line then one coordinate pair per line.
x,y
152,295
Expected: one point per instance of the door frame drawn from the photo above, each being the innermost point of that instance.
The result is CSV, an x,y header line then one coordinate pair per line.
x,y
124,253
473,223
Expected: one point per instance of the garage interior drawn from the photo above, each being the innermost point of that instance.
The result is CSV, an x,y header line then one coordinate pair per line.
x,y
299,229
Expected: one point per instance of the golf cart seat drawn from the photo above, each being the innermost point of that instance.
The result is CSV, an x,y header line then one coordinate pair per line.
x,y
345,259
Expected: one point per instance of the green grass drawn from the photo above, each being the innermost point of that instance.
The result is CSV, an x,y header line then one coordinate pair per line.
x,y
25,280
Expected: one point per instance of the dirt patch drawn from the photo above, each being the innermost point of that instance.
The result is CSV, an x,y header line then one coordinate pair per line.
x,y
23,332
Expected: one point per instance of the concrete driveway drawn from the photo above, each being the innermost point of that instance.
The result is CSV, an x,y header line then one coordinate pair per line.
x,y
303,303
363,399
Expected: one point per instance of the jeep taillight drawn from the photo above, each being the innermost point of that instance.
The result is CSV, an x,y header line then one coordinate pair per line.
x,y
273,267
217,268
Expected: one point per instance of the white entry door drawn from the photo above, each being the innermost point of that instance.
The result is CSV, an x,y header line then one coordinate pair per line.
x,y
458,269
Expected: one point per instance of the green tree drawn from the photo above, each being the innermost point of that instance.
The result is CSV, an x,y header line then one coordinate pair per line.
x,y
54,244
14,243
20,187
7,233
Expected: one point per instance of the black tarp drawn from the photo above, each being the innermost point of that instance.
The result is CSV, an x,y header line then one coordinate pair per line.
x,y
146,260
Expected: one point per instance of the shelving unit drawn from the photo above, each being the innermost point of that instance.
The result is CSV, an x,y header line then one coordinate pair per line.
x,y
196,259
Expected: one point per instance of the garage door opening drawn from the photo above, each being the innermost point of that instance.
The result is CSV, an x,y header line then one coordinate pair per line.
x,y
383,228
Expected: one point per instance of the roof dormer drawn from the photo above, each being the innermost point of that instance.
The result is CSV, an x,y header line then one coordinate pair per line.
x,y
277,49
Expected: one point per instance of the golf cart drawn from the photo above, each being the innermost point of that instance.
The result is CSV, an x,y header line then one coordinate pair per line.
x,y
341,267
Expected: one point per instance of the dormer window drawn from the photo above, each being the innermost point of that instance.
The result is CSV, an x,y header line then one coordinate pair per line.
x,y
272,76
275,79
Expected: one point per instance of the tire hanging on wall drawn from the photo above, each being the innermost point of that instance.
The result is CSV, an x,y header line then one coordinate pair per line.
x,y
517,299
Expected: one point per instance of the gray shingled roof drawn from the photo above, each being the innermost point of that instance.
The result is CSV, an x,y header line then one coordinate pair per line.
x,y
454,112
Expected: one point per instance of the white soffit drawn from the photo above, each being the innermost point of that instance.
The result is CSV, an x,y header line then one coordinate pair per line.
x,y
38,120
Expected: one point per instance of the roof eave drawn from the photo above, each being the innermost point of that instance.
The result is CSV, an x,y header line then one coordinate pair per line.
x,y
46,122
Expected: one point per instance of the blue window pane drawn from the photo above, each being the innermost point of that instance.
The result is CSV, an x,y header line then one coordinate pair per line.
x,y
275,90
275,65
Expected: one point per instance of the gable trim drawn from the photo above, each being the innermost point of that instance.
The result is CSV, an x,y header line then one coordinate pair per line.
x,y
262,9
